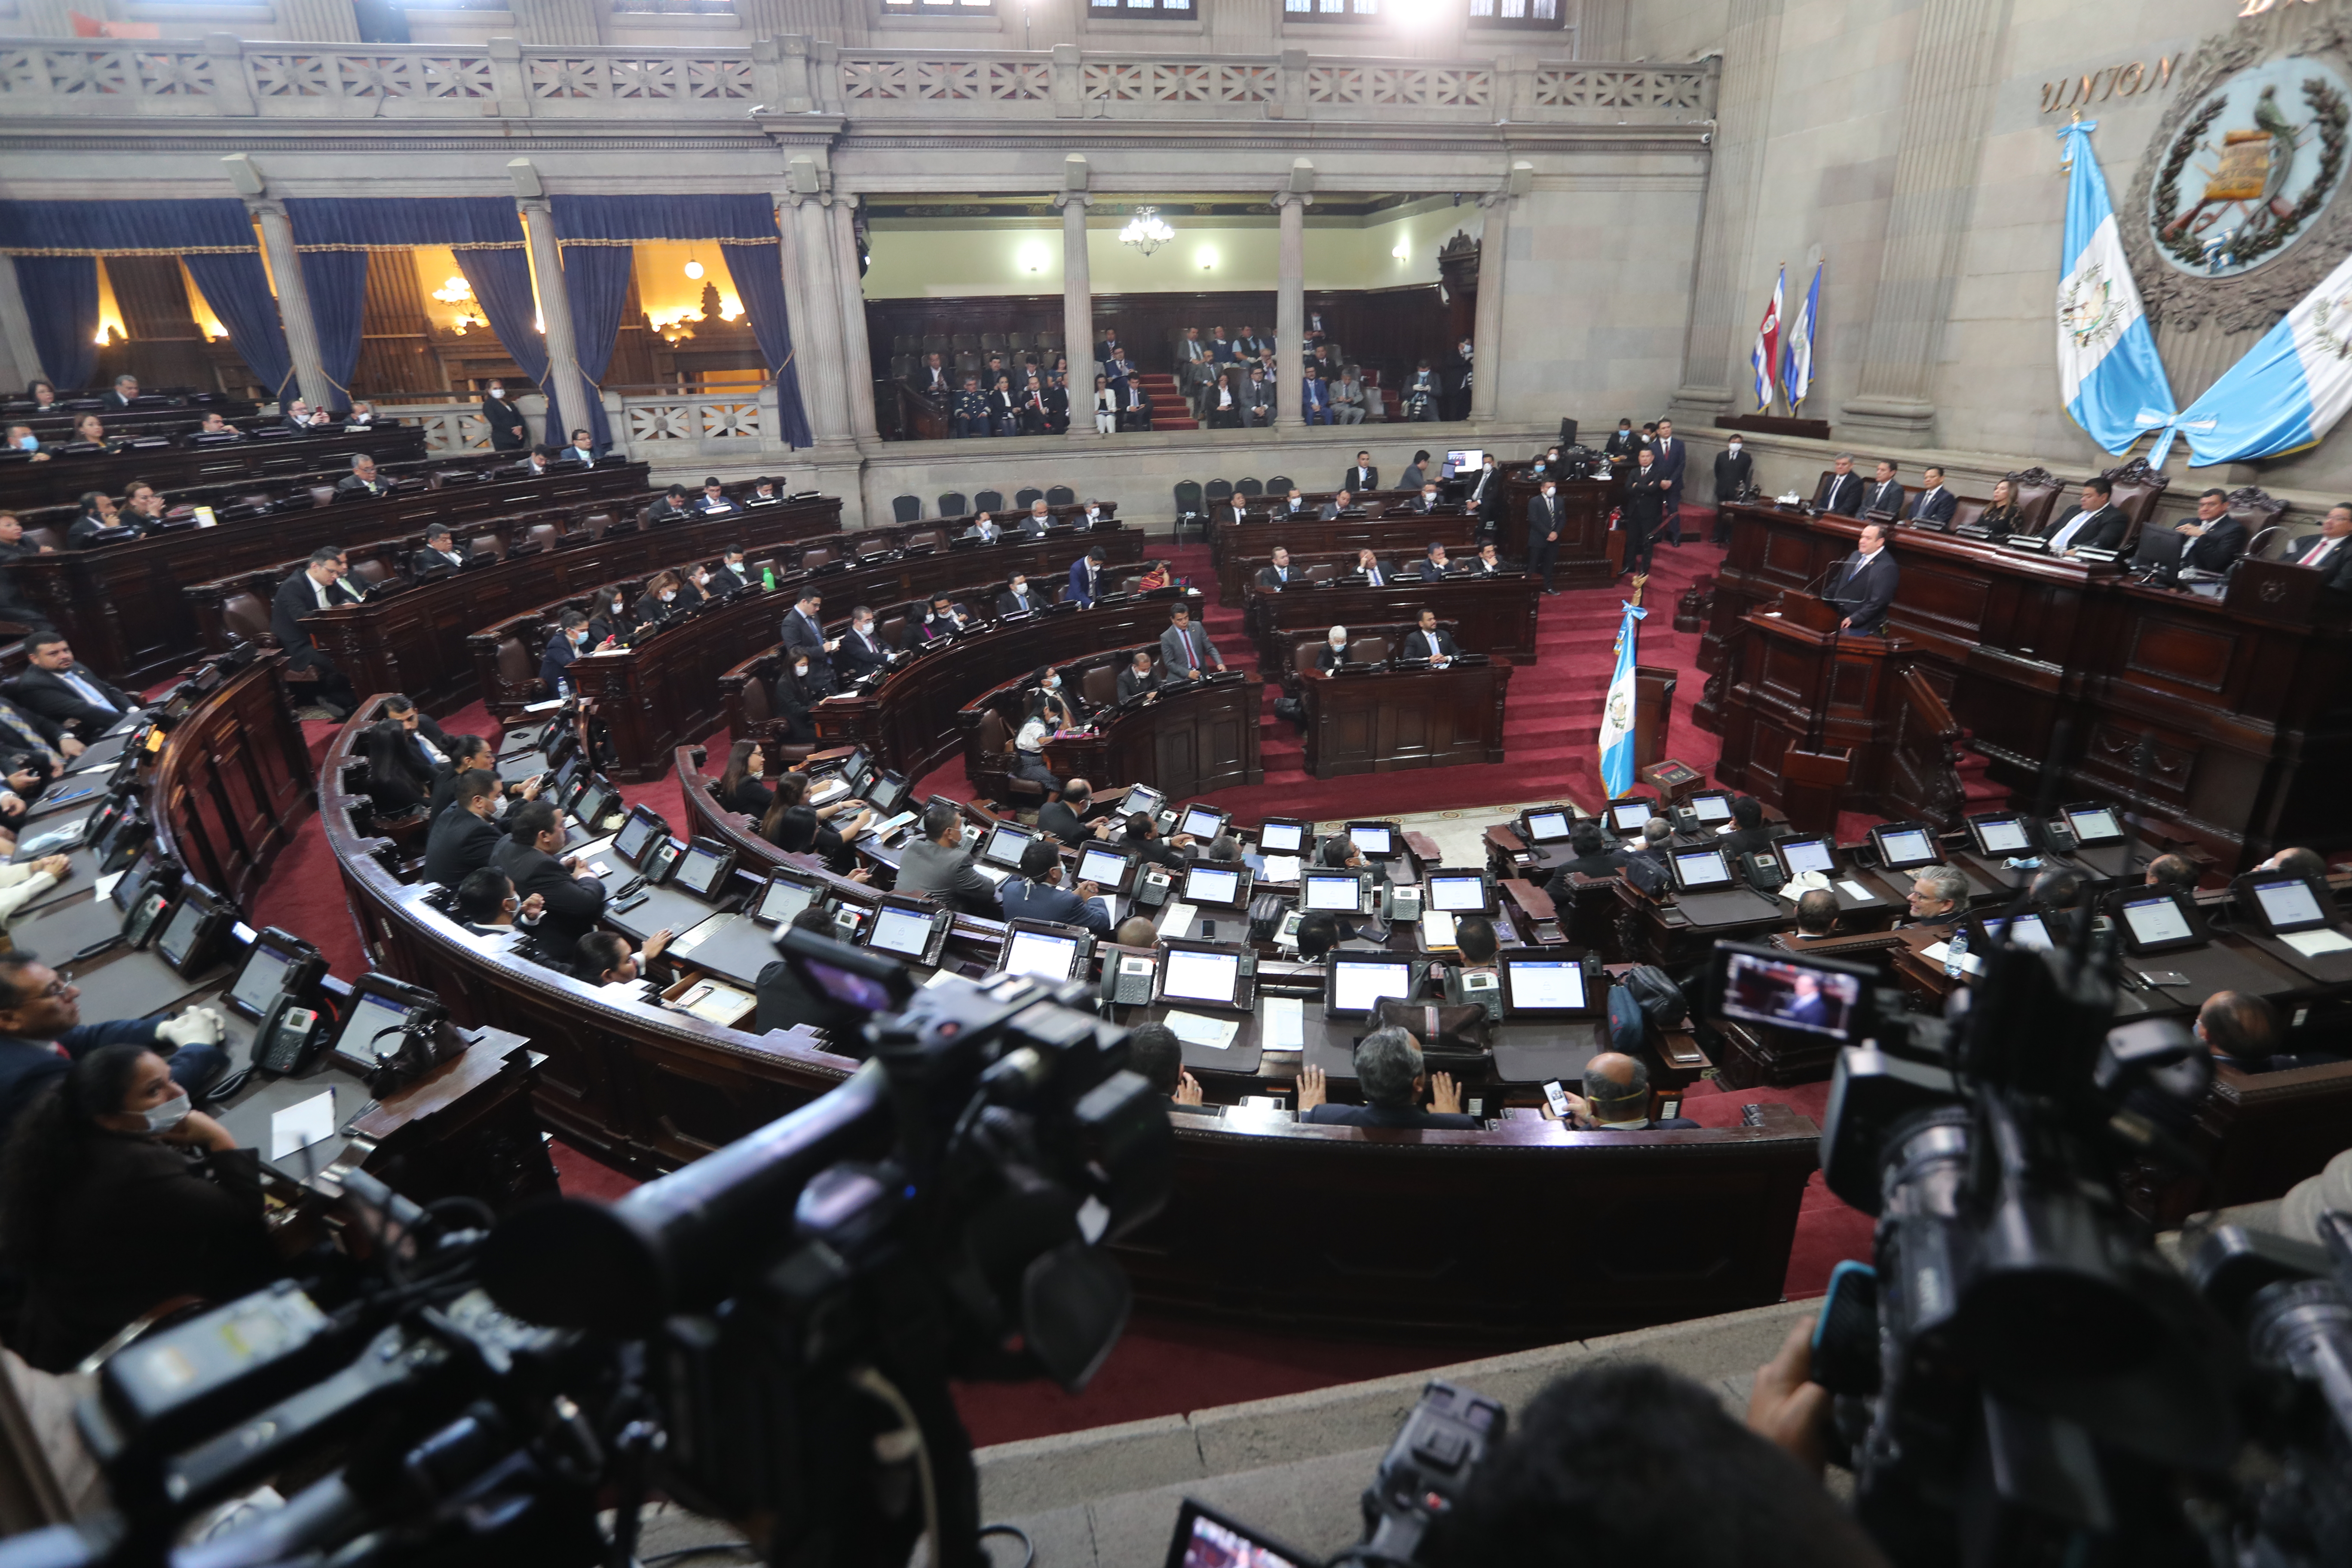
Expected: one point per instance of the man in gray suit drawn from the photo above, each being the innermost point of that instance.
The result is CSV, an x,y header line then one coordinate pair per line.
x,y
938,866
1185,651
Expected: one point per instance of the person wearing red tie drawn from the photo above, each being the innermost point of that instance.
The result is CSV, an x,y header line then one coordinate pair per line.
x,y
2328,552
1185,651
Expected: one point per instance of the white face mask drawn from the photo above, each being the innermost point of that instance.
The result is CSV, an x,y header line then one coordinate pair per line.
x,y
1735,448
170,1114
1549,492
800,668
617,606
1053,683
863,628
1094,511
1021,589
668,594
1339,642
1429,495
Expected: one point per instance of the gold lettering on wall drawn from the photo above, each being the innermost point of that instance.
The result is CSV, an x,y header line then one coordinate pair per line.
x,y
2106,82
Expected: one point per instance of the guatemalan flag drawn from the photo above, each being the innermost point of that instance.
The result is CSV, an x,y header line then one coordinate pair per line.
x,y
1768,344
2108,372
1797,358
1617,711
2290,389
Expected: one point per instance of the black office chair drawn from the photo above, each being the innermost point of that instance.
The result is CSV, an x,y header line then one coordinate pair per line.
x,y
906,509
988,501
952,504
1279,485
1249,488
1061,495
1189,505
1026,494
1218,490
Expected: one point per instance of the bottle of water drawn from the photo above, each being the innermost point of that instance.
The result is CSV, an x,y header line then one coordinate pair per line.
x,y
768,578
1956,950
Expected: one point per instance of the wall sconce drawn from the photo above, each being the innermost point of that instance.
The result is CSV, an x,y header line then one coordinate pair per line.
x,y
1031,258
1403,251
1207,256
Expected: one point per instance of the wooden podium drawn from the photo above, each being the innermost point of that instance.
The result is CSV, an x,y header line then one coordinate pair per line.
x,y
1811,712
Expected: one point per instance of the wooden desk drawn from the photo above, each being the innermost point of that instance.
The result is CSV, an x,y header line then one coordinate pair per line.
x,y
1583,550
1805,690
1390,720
1493,616
233,783
63,478
1402,541
1197,737
122,606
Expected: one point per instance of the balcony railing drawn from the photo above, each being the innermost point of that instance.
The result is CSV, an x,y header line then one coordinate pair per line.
x,y
735,425
222,76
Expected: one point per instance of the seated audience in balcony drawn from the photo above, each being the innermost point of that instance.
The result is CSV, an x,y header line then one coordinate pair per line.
x,y
22,439
1389,1073
1424,396
1032,413
1222,402
1257,400
971,410
107,1217
1003,407
1106,407
1316,397
1352,402
1196,363
1058,403
507,430
581,451
539,464
1137,414
935,380
98,515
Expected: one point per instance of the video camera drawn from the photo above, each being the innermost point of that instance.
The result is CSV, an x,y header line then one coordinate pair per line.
x,y
767,1335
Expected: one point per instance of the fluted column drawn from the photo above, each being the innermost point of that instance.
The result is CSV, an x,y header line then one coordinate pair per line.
x,y
809,293
571,389
16,329
849,297
1486,326
293,303
1290,311
1077,311
1721,292
1952,70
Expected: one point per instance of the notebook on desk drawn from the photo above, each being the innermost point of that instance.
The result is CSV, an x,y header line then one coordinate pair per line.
x,y
662,908
734,948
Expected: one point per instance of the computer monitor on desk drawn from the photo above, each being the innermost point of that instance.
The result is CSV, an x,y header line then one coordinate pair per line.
x,y
1905,845
1702,870
1543,824
2282,904
1053,953
1354,984
2157,919
1112,870
1376,840
1626,817
1210,885
1207,974
785,895
1335,892
1283,835
1803,855
2000,834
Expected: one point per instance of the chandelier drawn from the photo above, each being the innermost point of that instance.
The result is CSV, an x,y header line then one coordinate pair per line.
x,y
1145,231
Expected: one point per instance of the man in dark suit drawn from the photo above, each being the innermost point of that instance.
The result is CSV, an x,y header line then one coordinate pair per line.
x,y
1274,579
1884,495
539,464
1670,458
41,1033
734,574
440,552
1434,563
861,651
1486,497
581,451
2329,552
1137,679
1842,491
1934,505
2099,524
1416,473
1085,577
124,393
1622,442
1390,1073
98,515
1646,506
1490,561
1065,816
942,621
1185,651
936,379
464,838
1591,856
804,632
1039,518
2215,538
1616,1098
1016,599
1362,476
360,480
1430,641
575,898
316,588
1735,470
562,649
1426,501
1376,573
1938,897
673,505
1037,894
1748,835
507,430
428,743
64,693
1335,506
1544,520
715,501
1863,584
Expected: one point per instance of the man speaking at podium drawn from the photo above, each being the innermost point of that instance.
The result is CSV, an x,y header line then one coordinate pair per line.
x,y
1863,584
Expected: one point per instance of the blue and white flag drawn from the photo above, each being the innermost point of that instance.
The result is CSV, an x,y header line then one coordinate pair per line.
x,y
1768,344
2108,372
1796,347
2288,391
1617,711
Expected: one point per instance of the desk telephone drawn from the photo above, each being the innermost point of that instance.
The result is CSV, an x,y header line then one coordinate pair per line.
x,y
659,862
2058,836
139,924
1153,888
1482,986
1400,902
289,1038
1127,981
1763,872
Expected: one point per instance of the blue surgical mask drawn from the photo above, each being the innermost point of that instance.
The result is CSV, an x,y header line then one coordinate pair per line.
x,y
28,443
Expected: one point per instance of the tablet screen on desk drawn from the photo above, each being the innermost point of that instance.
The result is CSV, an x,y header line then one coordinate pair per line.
x,y
1544,986
1335,890
1547,827
2094,825
780,900
887,793
2001,834
1142,799
181,933
1207,885
1104,867
1702,868
263,976
1803,855
373,1025
2025,931
1359,983
1281,838
1044,955
634,833
2153,921
595,804
1458,892
904,932
1907,846
699,871
1004,845
1189,976
1711,808
1371,838
1630,816
2288,905
1201,822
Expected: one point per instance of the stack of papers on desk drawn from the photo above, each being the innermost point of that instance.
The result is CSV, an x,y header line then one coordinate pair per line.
x,y
1198,1029
1282,1024
298,1126
2312,943
1282,868
1177,922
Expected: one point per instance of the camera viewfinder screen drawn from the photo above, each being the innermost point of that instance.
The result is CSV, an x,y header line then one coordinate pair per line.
x,y
1630,816
1455,894
1281,838
1043,953
2155,920
1214,1545
1341,894
1790,995
2003,835
1910,846
2289,904
1548,826
1189,976
903,932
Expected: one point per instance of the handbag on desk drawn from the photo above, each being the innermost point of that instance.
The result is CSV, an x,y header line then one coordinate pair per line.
x,y
1458,1030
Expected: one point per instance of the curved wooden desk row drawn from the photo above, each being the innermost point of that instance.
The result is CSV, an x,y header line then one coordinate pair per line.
x,y
1194,738
417,640
1702,1221
1493,616
2239,700
1583,558
233,783
67,474
507,655
301,463
122,606
1237,574
661,693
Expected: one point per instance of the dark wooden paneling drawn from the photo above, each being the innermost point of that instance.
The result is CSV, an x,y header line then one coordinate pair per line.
x,y
1397,719
234,783
1494,615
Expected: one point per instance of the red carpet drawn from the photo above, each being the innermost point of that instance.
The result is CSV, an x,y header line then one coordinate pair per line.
x,y
1163,1367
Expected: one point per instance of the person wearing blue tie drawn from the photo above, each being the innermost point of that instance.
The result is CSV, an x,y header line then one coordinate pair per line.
x,y
1318,398
1275,578
1863,584
1369,567
1086,578
1015,600
1185,651
64,693
427,741
2100,524
1435,565
1933,506
581,451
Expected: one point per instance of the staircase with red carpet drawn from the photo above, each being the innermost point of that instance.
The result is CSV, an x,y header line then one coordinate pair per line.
x,y
1168,409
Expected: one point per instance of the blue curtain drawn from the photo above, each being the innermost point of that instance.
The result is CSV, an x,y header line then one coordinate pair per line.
x,y
336,281
237,288
99,228
596,277
745,228
759,279
61,296
500,280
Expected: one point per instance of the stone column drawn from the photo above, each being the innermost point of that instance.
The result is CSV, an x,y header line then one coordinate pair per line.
x,y
573,392
16,329
856,346
1077,311
318,21
293,303
1950,88
1486,330
1290,311
807,254
1722,294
